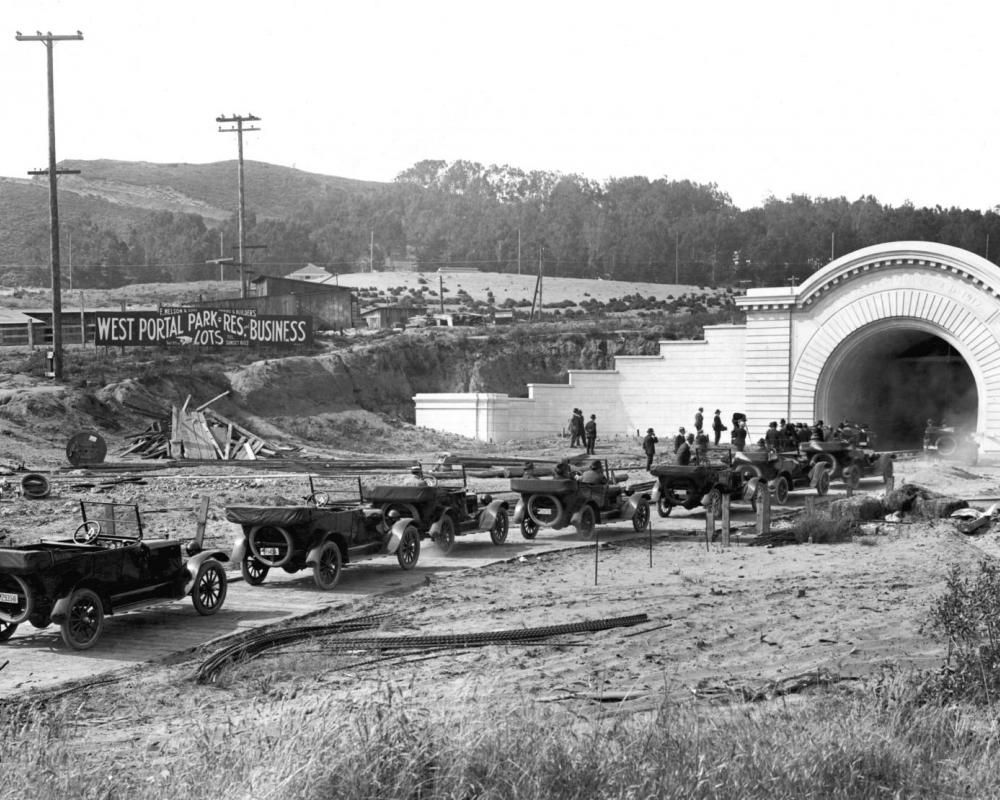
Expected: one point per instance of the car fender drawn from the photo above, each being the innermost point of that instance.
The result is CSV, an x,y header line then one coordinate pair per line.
x,y
435,529
312,557
520,511
632,502
489,514
395,537
750,489
240,550
194,562
60,608
654,496
574,520
817,470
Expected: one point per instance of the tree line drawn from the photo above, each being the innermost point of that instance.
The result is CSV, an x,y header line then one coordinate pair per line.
x,y
501,218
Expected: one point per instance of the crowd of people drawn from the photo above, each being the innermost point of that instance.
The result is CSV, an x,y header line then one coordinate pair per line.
x,y
692,446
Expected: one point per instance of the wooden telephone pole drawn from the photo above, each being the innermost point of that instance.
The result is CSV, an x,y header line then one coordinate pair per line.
x,y
48,39
239,119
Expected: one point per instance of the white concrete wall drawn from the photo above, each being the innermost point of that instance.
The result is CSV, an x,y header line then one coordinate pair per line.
x,y
662,392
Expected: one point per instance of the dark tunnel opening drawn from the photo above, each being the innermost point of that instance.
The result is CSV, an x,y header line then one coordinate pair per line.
x,y
895,381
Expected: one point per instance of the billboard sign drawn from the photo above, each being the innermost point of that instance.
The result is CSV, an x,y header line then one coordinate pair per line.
x,y
201,326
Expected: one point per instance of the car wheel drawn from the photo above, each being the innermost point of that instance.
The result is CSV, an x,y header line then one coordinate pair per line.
x,y
664,506
84,620
445,538
529,528
852,476
7,630
253,571
498,533
781,490
393,512
823,484
947,445
588,521
22,604
210,587
408,551
328,566
546,510
640,519
271,545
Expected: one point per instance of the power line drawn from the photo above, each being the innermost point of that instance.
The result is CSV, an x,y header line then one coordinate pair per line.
x,y
48,39
239,119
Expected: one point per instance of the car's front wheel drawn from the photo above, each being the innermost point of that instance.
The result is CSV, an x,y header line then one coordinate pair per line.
x,y
445,538
498,533
640,519
588,521
253,571
210,586
529,528
408,552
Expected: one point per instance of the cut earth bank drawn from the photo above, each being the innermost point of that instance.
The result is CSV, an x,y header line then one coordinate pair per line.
x,y
721,620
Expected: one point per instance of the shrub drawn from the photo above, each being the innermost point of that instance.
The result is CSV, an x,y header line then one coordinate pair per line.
x,y
823,529
967,616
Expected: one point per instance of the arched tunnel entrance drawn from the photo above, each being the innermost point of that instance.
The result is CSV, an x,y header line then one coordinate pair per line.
x,y
894,377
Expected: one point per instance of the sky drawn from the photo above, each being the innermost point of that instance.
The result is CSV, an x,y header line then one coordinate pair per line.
x,y
826,99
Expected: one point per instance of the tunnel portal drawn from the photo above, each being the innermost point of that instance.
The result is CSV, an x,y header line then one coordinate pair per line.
x,y
894,378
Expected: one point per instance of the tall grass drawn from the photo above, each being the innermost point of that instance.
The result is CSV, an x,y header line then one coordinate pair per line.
x,y
881,742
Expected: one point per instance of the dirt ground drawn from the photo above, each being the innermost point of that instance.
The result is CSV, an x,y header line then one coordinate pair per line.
x,y
720,619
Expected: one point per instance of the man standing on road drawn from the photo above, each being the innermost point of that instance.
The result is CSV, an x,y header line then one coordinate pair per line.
x,y
576,428
717,425
590,433
679,439
649,447
699,420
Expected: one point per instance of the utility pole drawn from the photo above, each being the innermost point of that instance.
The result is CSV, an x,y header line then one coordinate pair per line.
x,y
518,251
833,239
239,119
371,252
48,39
677,257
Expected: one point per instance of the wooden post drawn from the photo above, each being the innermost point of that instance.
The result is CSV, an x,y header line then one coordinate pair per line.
x,y
83,322
649,528
810,504
597,549
709,524
890,483
764,513
850,490
725,520
199,532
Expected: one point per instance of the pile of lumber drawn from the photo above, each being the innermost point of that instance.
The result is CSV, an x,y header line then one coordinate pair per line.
x,y
201,434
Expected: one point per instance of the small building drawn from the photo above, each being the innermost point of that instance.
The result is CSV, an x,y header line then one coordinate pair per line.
x,y
311,273
459,318
389,316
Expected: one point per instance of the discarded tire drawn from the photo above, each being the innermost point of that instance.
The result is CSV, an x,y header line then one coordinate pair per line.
x,y
35,486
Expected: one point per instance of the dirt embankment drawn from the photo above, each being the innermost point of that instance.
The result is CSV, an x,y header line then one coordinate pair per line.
x,y
383,377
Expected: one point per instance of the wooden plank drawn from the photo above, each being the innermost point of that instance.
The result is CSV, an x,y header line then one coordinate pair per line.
x,y
203,406
208,432
229,443
249,451
224,421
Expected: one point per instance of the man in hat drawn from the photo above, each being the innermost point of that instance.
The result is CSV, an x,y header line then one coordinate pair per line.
x,y
684,451
595,474
699,419
590,433
717,425
576,428
416,477
649,447
679,439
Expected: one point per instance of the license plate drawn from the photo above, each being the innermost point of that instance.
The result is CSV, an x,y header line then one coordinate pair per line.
x,y
270,551
7,597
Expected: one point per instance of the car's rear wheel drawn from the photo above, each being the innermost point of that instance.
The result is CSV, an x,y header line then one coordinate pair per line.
x,y
664,506
823,484
7,630
445,538
253,571
498,533
328,566
640,519
588,521
529,528
210,586
781,490
84,620
408,552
